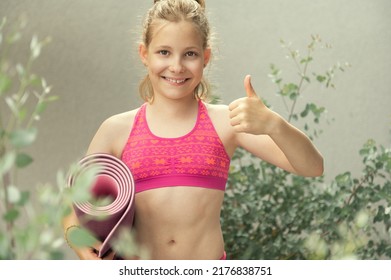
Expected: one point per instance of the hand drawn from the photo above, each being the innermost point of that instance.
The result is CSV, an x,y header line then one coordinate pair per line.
x,y
87,253
250,115
91,253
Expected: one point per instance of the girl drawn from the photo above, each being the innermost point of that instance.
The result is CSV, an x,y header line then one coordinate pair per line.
x,y
178,147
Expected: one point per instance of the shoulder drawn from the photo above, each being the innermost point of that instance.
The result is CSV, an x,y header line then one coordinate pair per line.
x,y
119,121
217,110
219,115
112,134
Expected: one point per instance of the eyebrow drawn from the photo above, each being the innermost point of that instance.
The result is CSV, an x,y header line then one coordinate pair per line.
x,y
163,47
169,47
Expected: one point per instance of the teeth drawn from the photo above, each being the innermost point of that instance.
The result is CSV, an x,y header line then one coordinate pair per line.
x,y
175,81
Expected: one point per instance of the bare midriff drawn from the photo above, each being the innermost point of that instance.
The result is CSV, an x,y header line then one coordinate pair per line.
x,y
180,223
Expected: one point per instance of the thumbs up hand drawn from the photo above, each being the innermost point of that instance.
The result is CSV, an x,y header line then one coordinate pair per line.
x,y
250,115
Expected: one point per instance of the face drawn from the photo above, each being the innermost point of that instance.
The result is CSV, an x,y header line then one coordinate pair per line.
x,y
175,59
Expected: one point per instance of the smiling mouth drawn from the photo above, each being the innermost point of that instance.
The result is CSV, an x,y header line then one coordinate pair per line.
x,y
175,81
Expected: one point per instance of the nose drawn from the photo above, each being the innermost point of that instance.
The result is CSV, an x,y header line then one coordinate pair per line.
x,y
177,66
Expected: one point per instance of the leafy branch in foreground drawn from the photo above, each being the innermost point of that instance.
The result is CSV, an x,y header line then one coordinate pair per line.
x,y
29,215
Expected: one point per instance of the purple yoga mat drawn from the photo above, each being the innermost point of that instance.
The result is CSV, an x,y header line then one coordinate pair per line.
x,y
113,181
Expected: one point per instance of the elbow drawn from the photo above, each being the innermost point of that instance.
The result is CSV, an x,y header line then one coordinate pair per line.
x,y
317,169
313,169
318,172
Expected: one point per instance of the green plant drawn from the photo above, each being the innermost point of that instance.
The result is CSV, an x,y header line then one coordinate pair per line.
x,y
31,217
26,231
271,214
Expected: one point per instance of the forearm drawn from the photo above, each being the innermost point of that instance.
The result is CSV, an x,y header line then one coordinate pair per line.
x,y
303,156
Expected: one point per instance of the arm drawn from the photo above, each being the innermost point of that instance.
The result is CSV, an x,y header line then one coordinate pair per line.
x,y
268,136
102,142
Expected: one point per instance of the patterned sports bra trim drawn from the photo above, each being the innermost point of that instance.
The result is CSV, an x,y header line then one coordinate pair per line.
x,y
197,159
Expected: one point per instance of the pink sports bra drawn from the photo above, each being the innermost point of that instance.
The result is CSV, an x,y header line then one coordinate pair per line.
x,y
196,159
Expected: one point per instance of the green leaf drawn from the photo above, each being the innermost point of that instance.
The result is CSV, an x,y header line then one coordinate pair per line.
x,y
34,80
81,237
6,162
23,137
13,194
20,70
293,95
41,107
23,160
380,214
305,112
295,117
35,47
11,215
362,219
24,198
14,37
320,78
289,89
5,83
56,255
306,60
52,98
343,179
22,114
12,105
82,184
2,23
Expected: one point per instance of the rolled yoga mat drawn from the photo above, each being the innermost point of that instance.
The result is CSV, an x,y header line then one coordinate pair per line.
x,y
114,182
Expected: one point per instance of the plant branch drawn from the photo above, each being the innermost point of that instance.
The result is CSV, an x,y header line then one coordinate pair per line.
x,y
6,180
302,75
355,188
360,185
25,81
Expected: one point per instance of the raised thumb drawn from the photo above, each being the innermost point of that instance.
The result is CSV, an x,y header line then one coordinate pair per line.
x,y
250,92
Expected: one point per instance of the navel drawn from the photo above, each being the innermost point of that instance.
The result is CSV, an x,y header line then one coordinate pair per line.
x,y
171,242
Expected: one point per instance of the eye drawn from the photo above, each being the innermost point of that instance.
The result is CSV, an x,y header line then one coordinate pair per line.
x,y
164,52
191,54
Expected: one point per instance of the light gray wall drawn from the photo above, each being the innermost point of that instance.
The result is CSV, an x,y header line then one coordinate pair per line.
x,y
93,66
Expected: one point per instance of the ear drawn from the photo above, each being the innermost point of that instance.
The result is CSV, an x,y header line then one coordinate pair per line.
x,y
207,56
143,53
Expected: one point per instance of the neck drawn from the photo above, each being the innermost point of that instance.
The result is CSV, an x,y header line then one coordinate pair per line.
x,y
174,108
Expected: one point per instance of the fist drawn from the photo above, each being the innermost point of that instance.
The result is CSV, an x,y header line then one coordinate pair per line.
x,y
249,114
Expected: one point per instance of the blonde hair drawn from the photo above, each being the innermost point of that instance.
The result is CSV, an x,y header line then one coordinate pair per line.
x,y
175,11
